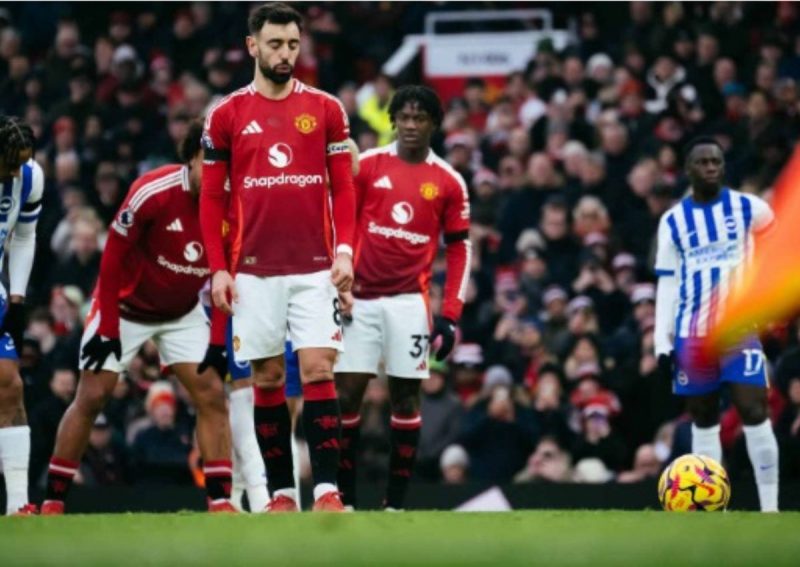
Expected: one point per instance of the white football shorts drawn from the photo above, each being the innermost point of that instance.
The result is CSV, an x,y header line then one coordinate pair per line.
x,y
181,340
394,330
305,304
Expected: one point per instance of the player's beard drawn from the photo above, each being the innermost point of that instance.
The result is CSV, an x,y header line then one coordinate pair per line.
x,y
278,78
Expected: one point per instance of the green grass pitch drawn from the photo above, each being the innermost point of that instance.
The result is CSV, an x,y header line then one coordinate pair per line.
x,y
419,538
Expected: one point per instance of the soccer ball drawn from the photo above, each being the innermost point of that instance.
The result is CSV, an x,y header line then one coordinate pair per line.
x,y
694,483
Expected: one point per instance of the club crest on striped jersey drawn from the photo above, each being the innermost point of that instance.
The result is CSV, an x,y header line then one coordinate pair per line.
x,y
305,123
429,191
730,224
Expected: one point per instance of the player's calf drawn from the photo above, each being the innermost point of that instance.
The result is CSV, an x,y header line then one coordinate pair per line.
x,y
350,388
321,418
94,390
405,426
274,429
213,430
15,439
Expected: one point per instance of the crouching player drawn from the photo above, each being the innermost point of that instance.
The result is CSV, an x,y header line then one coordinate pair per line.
x,y
152,271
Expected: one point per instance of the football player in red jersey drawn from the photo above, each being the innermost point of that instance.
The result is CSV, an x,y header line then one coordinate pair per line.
x,y
152,271
407,198
282,146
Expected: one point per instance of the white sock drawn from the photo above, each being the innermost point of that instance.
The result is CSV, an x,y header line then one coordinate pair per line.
x,y
258,497
296,464
237,482
762,448
706,441
245,447
323,488
15,452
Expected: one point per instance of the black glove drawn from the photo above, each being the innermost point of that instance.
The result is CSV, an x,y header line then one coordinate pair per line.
x,y
96,351
217,358
666,367
445,328
14,324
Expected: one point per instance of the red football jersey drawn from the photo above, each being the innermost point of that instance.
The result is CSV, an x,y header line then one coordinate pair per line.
x,y
277,152
166,266
402,210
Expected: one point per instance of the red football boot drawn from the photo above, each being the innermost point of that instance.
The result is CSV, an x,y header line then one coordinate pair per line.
x,y
27,510
281,503
222,507
52,508
329,502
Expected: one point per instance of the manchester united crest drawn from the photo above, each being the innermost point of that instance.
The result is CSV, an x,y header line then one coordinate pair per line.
x,y
429,191
305,123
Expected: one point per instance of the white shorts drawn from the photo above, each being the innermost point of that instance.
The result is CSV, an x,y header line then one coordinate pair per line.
x,y
394,330
307,305
180,340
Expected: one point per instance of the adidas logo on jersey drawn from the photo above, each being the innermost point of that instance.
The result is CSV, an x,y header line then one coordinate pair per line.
x,y
175,226
252,128
383,183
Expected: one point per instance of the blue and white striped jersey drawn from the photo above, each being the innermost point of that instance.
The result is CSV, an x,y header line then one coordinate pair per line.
x,y
20,202
702,245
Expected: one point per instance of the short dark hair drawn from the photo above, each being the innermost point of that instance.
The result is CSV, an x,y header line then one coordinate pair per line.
x,y
15,136
191,143
274,13
422,96
700,141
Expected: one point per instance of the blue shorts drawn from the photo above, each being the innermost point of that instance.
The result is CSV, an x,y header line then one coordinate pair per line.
x,y
293,387
237,370
743,364
7,348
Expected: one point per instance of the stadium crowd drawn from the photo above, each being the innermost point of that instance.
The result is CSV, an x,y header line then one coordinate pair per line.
x,y
569,166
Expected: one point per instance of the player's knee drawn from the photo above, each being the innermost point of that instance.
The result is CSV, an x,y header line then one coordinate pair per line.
x,y
349,400
91,399
317,371
704,415
10,387
405,405
753,414
210,397
269,377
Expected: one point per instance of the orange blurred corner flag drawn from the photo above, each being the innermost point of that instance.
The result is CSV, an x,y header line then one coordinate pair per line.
x,y
768,289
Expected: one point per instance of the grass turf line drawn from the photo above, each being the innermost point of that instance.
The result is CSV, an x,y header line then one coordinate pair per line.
x,y
421,538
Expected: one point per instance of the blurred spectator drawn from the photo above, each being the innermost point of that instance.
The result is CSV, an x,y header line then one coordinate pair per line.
x,y
83,262
442,414
46,416
160,452
497,445
646,466
106,460
454,465
549,462
374,109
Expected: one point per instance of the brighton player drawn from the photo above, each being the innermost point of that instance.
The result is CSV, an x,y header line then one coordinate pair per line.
x,y
22,184
152,271
278,142
407,199
702,241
